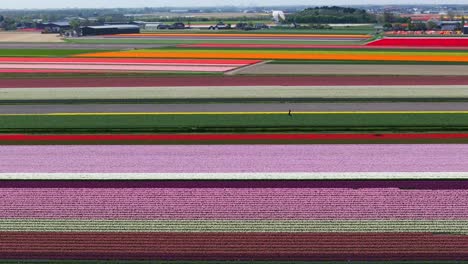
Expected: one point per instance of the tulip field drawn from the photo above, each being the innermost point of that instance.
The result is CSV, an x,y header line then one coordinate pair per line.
x,y
445,43
325,55
265,147
54,65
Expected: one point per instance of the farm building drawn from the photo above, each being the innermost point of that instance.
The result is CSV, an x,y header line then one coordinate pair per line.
x,y
449,25
54,27
109,30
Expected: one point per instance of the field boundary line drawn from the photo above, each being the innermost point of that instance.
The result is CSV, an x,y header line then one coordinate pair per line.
x,y
239,113
239,176
243,68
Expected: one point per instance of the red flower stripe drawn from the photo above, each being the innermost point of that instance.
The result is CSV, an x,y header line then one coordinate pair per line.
x,y
376,46
228,137
421,42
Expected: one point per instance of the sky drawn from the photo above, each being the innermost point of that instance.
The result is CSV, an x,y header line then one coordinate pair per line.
x,y
21,4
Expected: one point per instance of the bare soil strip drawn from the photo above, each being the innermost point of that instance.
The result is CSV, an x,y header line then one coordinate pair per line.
x,y
77,46
338,69
237,92
29,37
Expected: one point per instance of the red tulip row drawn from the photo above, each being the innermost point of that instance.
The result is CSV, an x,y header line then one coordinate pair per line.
x,y
422,42
230,137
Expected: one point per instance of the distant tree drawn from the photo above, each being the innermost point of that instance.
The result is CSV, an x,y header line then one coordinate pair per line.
x,y
9,23
75,24
101,20
388,17
334,14
1,18
86,23
451,15
431,25
108,19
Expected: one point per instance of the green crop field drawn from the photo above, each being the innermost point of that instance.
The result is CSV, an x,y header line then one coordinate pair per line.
x,y
235,122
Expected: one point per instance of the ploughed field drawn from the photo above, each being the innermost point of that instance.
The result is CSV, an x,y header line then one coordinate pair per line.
x,y
228,147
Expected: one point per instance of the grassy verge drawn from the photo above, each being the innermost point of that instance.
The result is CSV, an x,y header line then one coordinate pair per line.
x,y
43,52
235,100
362,30
212,41
319,122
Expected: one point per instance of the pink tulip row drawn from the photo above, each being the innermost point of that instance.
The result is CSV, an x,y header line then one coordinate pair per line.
x,y
243,203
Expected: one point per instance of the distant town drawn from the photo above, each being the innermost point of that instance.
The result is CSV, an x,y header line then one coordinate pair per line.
x,y
389,19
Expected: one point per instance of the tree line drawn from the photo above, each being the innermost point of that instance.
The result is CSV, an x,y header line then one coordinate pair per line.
x,y
332,14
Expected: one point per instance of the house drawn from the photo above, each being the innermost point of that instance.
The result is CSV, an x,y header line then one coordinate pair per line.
x,y
110,30
449,25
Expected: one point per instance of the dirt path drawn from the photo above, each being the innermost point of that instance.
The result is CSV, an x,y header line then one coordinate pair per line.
x,y
24,37
237,92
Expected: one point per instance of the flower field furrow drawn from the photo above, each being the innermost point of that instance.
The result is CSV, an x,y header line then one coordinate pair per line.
x,y
352,183
233,204
235,158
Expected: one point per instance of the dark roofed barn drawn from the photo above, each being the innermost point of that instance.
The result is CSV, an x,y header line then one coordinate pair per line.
x,y
54,27
110,30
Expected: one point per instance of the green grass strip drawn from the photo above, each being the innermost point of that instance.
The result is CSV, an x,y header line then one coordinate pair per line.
x,y
356,30
237,122
43,52
296,226
214,41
